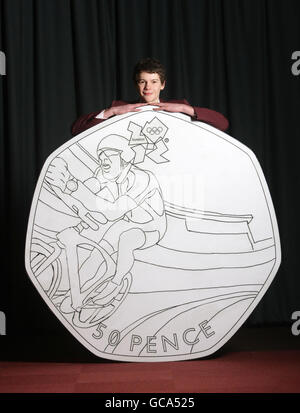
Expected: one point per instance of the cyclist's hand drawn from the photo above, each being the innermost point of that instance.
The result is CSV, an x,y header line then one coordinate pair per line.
x,y
58,174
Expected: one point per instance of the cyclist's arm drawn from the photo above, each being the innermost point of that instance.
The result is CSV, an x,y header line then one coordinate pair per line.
x,y
112,210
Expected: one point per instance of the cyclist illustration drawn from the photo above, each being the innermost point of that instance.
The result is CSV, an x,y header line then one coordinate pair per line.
x,y
152,237
122,195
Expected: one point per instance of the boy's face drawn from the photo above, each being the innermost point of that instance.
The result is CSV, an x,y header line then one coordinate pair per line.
x,y
149,86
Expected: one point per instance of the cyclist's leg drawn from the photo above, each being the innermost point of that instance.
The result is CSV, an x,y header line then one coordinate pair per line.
x,y
130,240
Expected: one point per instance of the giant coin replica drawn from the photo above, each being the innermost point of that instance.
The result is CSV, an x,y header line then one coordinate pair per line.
x,y
152,237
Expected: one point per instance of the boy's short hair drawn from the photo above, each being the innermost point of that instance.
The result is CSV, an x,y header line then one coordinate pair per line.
x,y
149,65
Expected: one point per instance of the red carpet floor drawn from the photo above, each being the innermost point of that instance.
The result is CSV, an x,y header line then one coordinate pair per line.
x,y
253,362
244,372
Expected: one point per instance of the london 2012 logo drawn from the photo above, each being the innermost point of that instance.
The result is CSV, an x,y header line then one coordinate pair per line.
x,y
152,237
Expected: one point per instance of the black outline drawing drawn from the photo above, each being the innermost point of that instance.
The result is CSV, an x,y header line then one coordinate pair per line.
x,y
73,259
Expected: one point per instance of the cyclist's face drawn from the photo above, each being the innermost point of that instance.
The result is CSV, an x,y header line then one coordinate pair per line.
x,y
111,164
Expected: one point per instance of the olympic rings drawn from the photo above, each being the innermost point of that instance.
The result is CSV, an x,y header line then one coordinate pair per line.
x,y
154,130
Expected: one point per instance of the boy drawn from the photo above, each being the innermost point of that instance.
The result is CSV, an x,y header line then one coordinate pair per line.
x,y
149,77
